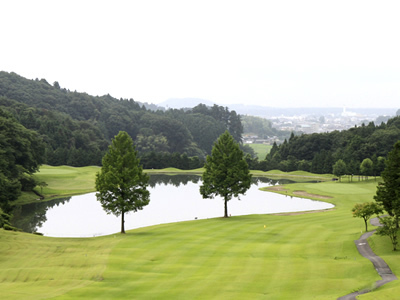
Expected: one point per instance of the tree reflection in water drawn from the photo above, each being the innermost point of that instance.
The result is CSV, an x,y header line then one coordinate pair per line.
x,y
175,180
30,217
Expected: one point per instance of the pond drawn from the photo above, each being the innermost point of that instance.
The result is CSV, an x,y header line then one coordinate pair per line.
x,y
172,199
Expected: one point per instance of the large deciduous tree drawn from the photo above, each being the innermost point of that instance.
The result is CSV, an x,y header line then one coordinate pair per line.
x,y
226,171
388,191
367,167
339,168
121,183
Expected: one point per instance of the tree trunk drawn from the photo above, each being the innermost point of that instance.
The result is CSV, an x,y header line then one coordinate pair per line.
x,y
123,222
226,208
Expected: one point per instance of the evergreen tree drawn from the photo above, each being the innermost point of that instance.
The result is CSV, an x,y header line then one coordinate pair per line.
x,y
121,183
388,191
226,171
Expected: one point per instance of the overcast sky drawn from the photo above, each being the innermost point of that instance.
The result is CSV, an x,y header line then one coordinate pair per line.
x,y
272,53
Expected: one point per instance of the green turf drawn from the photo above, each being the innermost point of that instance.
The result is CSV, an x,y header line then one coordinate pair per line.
x,y
261,150
62,181
295,256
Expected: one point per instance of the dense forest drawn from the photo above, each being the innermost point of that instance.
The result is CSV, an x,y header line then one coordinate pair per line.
x,y
20,156
76,128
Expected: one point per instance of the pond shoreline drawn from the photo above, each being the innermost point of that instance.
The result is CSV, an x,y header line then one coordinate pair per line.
x,y
66,181
169,203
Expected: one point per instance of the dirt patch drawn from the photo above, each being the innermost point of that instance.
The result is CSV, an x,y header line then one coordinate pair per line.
x,y
277,188
302,212
305,194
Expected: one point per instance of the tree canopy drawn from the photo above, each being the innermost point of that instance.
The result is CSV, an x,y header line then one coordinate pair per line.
x,y
389,228
121,183
366,211
339,168
388,191
226,171
20,156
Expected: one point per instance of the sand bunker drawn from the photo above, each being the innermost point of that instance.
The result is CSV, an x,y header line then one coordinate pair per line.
x,y
305,194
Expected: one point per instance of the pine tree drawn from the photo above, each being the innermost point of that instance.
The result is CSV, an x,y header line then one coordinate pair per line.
x,y
226,171
388,191
121,183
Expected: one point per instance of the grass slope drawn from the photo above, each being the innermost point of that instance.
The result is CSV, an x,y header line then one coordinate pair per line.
x,y
62,181
296,255
261,150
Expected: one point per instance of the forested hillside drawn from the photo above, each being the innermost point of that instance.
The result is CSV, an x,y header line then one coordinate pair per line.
x,y
319,152
76,128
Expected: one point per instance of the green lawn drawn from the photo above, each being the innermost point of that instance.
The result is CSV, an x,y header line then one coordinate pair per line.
x,y
261,150
62,181
296,256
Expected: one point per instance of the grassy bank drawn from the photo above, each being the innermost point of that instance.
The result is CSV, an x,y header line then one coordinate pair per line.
x,y
302,256
62,181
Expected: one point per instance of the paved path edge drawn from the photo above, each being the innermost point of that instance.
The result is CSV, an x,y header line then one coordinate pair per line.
x,y
379,264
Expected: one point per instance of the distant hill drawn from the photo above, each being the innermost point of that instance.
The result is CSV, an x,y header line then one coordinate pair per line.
x,y
269,112
178,103
76,128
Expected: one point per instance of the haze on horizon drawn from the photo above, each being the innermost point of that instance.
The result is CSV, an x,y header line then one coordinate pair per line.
x,y
270,53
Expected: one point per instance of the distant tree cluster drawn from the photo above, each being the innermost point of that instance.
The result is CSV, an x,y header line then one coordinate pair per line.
x,y
160,160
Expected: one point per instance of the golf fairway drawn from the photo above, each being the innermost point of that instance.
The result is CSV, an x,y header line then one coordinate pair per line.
x,y
291,256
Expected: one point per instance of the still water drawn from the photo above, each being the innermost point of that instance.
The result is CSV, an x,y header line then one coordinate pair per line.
x,y
172,199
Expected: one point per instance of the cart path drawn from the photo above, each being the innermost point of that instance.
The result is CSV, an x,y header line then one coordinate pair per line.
x,y
380,265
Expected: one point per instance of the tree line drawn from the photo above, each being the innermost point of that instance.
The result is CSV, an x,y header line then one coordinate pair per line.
x,y
359,150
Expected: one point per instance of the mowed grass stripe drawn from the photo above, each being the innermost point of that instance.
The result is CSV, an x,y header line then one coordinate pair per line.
x,y
234,258
38,267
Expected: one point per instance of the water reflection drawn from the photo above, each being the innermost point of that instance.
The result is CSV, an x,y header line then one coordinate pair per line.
x,y
181,179
175,180
173,198
30,217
